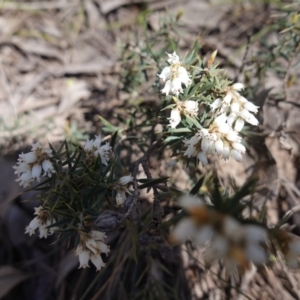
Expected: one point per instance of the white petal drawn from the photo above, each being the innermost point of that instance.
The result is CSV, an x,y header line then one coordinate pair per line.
x,y
167,88
216,104
96,259
184,230
36,172
175,118
98,235
176,86
231,227
205,143
256,254
120,198
203,235
239,124
238,86
226,151
219,146
173,58
165,74
33,225
189,201
189,151
92,245
227,98
255,233
29,157
236,155
235,106
97,141
250,106
84,256
239,147
191,106
202,157
88,145
43,231
233,136
103,247
125,179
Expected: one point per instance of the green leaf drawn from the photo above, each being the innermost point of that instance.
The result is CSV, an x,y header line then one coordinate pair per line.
x,y
197,186
151,182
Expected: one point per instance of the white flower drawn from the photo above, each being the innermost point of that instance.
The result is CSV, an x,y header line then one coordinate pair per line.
x,y
184,230
238,86
41,222
84,257
31,165
96,259
120,198
191,107
173,58
90,247
175,118
174,76
125,179
94,148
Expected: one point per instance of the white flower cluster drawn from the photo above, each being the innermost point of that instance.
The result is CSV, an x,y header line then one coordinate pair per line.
x,y
94,148
174,76
218,139
188,108
31,165
90,247
223,236
121,188
236,108
230,113
41,222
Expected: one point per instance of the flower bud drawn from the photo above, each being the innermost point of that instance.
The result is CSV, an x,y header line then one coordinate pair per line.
x,y
108,221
